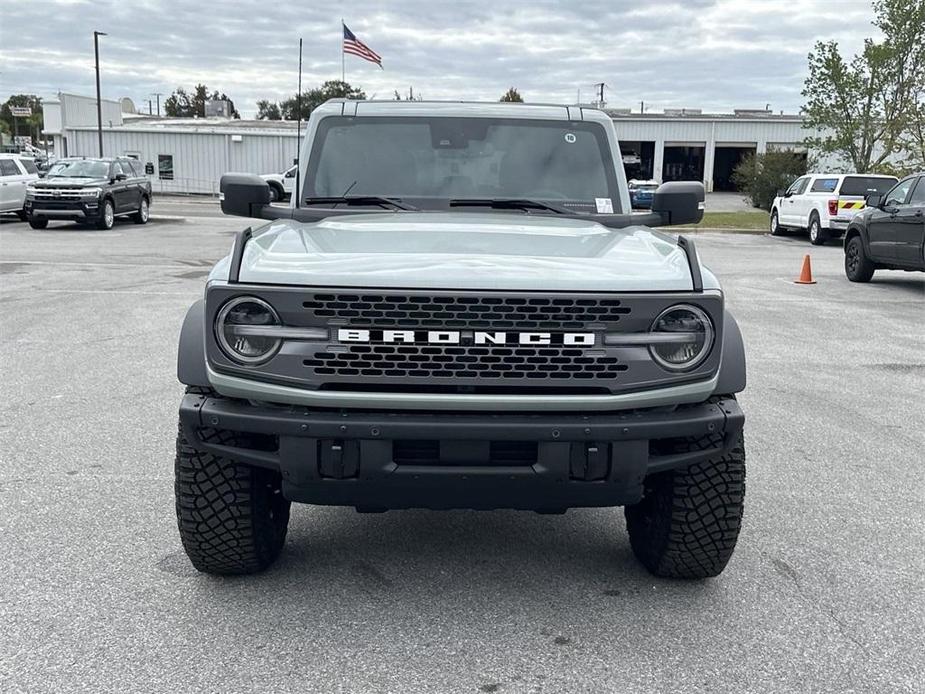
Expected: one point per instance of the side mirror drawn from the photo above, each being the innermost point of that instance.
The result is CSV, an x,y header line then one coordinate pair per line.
x,y
243,195
781,194
874,200
120,177
679,202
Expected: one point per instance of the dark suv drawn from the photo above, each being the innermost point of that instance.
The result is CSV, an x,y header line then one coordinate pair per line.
x,y
93,191
889,233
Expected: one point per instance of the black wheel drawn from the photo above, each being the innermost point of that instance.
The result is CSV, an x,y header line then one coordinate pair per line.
x,y
23,215
107,216
817,235
276,193
38,223
858,267
775,227
687,524
141,217
232,517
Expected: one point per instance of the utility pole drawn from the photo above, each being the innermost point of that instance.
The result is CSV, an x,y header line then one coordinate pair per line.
x,y
149,106
99,104
297,191
158,95
600,86
642,107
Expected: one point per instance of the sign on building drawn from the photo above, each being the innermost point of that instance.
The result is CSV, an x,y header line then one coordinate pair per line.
x,y
22,140
21,111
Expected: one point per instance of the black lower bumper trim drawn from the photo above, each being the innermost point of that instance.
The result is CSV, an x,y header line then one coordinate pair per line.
x,y
543,462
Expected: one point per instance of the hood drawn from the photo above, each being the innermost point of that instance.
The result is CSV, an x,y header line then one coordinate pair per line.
x,y
426,250
65,182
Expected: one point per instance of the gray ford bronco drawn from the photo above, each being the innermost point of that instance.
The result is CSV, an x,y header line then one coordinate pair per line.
x,y
458,309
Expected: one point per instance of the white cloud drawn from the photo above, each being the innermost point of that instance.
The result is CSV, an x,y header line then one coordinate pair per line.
x,y
715,54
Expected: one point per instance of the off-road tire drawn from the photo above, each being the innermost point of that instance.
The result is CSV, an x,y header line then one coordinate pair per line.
x,y
23,215
141,217
38,223
858,267
232,517
687,524
817,235
106,221
774,227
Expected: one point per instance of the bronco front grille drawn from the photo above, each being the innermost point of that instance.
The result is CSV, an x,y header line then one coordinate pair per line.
x,y
461,311
463,361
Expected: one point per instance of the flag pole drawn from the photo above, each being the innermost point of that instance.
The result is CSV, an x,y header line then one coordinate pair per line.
x,y
343,59
296,193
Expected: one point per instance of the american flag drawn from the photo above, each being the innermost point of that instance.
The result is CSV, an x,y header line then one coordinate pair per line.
x,y
354,46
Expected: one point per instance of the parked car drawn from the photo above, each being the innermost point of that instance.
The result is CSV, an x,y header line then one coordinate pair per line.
x,y
16,174
641,193
94,191
890,233
281,184
824,204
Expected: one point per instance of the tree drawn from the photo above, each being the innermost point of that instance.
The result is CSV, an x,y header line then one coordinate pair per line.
x,y
512,95
31,125
332,89
268,110
180,104
760,176
863,109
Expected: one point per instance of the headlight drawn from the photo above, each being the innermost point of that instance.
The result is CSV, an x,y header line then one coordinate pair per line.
x,y
91,192
234,330
693,332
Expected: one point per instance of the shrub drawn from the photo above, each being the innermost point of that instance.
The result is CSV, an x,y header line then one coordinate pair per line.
x,y
760,176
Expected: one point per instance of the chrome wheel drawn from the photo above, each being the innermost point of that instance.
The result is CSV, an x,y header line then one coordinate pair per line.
x,y
143,210
814,230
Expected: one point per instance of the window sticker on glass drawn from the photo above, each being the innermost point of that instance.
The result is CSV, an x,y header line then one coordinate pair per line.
x,y
604,205
570,138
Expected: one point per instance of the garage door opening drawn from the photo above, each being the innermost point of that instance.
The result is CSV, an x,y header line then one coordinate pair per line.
x,y
683,163
725,160
638,159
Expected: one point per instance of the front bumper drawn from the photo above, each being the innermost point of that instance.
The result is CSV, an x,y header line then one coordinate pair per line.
x,y
381,460
68,209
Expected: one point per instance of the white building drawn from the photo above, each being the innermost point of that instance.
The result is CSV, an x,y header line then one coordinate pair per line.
x,y
190,155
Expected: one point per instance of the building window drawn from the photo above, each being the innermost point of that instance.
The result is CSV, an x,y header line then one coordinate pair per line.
x,y
165,167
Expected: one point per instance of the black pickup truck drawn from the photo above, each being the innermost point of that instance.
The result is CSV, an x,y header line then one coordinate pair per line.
x,y
93,191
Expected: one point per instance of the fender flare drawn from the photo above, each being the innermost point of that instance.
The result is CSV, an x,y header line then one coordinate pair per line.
x,y
732,376
191,354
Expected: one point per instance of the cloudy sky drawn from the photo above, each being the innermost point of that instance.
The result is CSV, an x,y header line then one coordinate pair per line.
x,y
710,54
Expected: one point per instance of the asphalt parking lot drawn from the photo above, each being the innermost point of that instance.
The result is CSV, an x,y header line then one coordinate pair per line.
x,y
825,592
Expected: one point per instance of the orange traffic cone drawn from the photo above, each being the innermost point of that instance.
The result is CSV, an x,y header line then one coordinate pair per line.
x,y
806,274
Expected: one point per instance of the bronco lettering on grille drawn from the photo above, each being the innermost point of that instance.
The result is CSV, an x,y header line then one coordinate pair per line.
x,y
455,337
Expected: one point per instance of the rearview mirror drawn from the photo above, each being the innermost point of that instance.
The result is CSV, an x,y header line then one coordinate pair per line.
x,y
243,195
874,200
679,202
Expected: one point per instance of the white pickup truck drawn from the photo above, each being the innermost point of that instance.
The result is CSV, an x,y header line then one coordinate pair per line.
x,y
281,184
823,204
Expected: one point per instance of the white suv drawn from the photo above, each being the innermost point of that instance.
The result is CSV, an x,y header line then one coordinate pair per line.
x,y
16,172
823,204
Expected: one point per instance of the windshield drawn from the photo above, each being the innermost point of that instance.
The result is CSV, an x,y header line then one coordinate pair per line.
x,y
83,168
866,185
429,159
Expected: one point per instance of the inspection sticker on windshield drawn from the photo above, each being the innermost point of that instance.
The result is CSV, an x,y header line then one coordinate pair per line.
x,y
604,205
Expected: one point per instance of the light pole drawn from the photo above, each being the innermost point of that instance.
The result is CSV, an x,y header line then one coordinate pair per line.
x,y
99,104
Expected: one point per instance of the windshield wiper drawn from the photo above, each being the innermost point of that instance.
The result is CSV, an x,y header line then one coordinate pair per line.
x,y
509,204
362,200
